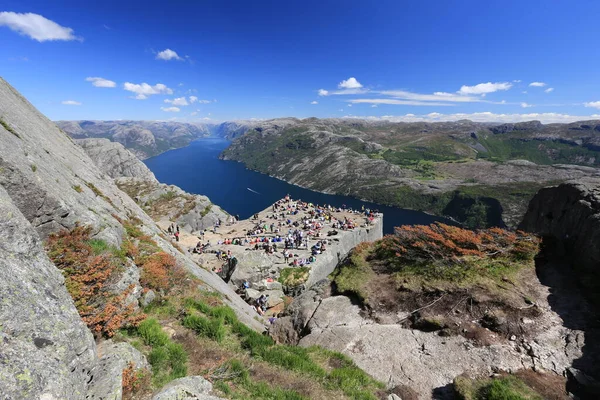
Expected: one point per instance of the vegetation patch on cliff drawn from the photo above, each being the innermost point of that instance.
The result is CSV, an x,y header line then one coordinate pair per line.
x,y
89,266
443,277
523,385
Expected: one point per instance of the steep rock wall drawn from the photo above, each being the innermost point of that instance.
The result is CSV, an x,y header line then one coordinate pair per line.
x,y
347,240
115,160
570,214
47,352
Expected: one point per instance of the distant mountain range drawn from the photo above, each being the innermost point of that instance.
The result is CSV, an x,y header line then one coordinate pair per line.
x,y
150,138
478,173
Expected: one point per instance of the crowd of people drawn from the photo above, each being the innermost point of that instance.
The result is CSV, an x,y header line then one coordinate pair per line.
x,y
299,231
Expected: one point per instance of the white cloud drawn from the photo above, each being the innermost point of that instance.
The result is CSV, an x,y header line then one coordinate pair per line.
x,y
524,92
349,105
350,83
323,92
36,27
374,105
517,81
101,82
193,99
206,119
206,101
546,118
143,90
194,113
484,88
170,109
71,103
437,96
550,89
167,55
538,84
593,104
180,101
314,102
525,105
399,102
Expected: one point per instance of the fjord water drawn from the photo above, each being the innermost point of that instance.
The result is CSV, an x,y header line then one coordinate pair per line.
x,y
240,191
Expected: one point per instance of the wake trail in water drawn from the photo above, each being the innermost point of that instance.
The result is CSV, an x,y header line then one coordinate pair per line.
x,y
253,191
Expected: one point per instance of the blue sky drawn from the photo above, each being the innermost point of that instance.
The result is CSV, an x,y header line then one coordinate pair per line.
x,y
223,60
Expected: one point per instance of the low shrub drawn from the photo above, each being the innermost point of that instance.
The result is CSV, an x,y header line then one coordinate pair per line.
x,y
87,278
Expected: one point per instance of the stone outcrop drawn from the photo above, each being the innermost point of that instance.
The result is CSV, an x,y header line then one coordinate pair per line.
x,y
164,202
115,357
48,183
115,160
570,213
188,388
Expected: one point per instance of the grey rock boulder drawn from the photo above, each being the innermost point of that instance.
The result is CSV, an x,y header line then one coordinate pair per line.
x,y
252,266
335,311
147,298
108,375
188,388
130,277
283,331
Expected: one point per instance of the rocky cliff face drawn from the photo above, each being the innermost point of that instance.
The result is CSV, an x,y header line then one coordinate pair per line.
x,y
570,213
47,184
567,216
47,351
161,201
114,160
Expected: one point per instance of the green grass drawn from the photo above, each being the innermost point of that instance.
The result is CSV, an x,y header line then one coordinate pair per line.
x,y
540,152
152,333
502,388
33,167
9,128
293,276
206,210
221,325
98,246
77,188
168,359
168,196
210,328
351,277
251,389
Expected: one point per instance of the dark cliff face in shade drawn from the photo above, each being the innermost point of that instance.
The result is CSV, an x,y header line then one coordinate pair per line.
x,y
569,215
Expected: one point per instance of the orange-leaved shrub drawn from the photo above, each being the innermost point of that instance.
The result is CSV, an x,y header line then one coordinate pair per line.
x,y
447,244
88,277
161,272
133,381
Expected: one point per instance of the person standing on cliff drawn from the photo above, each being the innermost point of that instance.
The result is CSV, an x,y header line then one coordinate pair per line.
x,y
177,236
